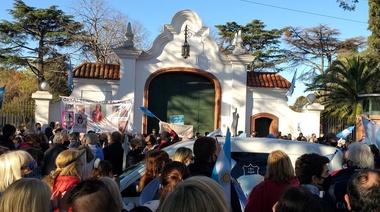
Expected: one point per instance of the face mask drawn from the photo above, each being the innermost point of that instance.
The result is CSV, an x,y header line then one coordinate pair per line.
x,y
66,143
326,183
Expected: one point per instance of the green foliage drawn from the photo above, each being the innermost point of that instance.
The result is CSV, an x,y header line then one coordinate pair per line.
x,y
373,41
298,104
347,4
19,85
339,87
35,38
261,43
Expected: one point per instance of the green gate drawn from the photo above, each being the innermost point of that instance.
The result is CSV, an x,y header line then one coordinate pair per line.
x,y
185,94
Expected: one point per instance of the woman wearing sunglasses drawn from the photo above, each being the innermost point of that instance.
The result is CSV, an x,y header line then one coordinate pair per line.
x,y
13,166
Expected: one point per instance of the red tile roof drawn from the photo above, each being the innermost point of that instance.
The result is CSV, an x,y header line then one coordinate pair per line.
x,y
267,80
112,72
97,71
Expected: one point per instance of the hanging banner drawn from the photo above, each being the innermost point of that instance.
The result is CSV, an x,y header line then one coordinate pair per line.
x,y
83,115
184,131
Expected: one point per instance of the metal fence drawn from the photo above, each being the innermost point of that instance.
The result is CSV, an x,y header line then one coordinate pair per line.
x,y
18,114
335,125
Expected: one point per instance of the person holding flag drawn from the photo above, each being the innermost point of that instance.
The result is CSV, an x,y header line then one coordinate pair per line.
x,y
206,151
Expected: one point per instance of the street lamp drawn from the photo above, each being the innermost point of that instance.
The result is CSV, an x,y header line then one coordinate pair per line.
x,y
186,47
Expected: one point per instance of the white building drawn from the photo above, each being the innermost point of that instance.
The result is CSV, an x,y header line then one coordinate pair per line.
x,y
207,87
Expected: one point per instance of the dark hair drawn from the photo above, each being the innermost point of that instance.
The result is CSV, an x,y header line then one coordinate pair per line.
x,y
92,195
308,165
172,174
104,168
116,137
204,148
364,195
8,130
298,199
152,139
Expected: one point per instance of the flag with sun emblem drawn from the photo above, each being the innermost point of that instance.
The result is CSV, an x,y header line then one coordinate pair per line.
x,y
222,168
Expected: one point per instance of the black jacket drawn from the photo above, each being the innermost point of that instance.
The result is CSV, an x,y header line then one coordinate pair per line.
x,y
335,194
7,142
49,158
114,154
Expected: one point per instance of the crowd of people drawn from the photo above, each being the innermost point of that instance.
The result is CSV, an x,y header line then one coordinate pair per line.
x,y
59,171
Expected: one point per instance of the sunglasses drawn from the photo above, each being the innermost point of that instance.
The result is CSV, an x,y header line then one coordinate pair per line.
x,y
30,165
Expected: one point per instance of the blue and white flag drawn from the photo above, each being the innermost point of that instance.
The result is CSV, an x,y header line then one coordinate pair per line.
x,y
346,132
292,85
222,168
372,131
146,111
217,132
70,84
2,89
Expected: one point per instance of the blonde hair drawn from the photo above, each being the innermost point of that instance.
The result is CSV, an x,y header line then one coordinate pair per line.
x,y
114,189
26,194
182,154
10,166
69,163
280,167
198,193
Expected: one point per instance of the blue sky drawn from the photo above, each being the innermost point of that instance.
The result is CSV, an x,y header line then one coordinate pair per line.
x,y
274,13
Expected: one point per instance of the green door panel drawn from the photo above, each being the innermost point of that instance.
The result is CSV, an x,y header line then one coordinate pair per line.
x,y
185,94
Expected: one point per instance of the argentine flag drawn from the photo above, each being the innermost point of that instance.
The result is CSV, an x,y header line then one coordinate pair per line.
x,y
2,89
346,132
222,168
372,131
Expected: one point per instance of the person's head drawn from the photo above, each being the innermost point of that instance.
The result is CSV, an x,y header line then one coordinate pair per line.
x,y
116,137
360,155
26,194
92,196
98,107
198,193
172,174
38,126
279,167
312,169
102,168
9,131
60,137
135,143
184,155
33,139
13,166
68,163
91,139
165,136
363,191
297,199
150,140
331,139
205,150
155,161
114,189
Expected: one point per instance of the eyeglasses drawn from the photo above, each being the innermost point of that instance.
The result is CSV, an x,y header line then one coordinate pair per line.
x,y
30,165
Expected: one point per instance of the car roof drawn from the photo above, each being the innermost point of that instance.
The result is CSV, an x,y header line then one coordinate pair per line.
x,y
266,145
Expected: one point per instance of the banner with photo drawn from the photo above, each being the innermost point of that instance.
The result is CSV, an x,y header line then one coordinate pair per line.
x,y
183,131
83,115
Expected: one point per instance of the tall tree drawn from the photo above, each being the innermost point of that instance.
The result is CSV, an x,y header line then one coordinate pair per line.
x,y
262,43
317,47
36,37
106,27
339,87
373,25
